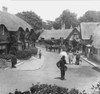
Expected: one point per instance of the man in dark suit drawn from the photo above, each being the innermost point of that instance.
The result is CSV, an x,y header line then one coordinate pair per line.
x,y
14,61
63,68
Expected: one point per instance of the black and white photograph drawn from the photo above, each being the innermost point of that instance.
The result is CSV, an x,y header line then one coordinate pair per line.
x,y
49,47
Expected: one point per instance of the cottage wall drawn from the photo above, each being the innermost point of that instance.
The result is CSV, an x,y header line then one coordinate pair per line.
x,y
96,57
4,34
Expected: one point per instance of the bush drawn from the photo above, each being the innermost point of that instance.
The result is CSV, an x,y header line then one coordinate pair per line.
x,y
25,54
7,57
49,89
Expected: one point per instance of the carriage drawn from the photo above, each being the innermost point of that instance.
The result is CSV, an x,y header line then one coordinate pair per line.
x,y
54,48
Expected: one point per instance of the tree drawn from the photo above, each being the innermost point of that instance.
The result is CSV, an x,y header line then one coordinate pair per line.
x,y
31,18
33,37
48,24
22,38
13,45
57,25
68,18
90,16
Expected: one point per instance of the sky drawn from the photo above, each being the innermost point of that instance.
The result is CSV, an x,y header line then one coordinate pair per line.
x,y
50,9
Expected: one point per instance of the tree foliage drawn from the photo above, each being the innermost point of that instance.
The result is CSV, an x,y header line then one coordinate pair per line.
x,y
67,18
48,24
57,25
31,18
33,36
90,16
13,44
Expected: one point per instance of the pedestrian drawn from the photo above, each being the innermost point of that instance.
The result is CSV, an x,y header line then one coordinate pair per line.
x,y
74,59
77,58
64,53
62,67
14,61
40,54
70,55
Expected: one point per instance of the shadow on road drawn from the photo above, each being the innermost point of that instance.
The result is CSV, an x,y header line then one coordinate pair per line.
x,y
58,78
96,69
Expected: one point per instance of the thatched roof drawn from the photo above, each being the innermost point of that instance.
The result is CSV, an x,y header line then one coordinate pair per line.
x,y
87,29
12,22
48,34
96,37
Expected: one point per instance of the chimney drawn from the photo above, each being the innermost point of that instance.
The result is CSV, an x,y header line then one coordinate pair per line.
x,y
4,9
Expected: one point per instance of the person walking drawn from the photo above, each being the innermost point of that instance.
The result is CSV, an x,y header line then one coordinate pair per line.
x,y
62,67
40,54
14,61
70,55
77,58
65,53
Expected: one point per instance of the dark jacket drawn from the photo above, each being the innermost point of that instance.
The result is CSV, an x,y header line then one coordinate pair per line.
x,y
61,64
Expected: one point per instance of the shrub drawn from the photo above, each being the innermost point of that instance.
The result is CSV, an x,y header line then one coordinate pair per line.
x,y
49,89
25,54
7,57
74,91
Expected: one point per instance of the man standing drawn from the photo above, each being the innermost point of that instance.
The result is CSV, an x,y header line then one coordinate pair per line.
x,y
77,58
14,61
40,54
63,68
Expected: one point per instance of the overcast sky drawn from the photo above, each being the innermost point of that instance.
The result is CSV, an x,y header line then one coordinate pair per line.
x,y
50,9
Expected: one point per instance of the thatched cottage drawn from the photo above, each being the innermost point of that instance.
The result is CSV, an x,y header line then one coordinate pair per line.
x,y
10,24
61,33
96,44
87,30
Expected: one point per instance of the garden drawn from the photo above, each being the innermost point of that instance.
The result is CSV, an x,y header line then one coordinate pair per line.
x,y
54,89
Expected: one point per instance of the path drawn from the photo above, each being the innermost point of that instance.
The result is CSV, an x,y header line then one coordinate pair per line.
x,y
81,77
31,64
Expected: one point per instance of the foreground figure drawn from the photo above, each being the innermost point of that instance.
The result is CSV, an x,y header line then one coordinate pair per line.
x,y
62,67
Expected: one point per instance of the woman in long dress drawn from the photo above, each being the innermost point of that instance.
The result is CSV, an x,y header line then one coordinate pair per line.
x,y
70,55
64,53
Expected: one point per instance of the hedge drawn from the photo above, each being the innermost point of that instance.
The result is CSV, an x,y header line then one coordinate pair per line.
x,y
7,57
48,89
27,53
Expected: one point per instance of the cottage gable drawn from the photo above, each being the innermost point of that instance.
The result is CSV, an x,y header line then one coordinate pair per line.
x,y
87,29
96,37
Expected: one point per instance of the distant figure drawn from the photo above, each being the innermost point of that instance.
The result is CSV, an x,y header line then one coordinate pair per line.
x,y
74,59
13,61
62,67
77,58
64,53
40,54
70,54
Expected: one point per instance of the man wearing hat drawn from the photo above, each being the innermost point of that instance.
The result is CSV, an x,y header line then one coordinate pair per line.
x,y
62,67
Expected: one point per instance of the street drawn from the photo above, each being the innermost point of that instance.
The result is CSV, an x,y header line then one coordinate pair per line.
x,y
77,76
